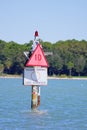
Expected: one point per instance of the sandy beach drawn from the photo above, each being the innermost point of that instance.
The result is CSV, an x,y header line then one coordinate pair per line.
x,y
67,78
49,77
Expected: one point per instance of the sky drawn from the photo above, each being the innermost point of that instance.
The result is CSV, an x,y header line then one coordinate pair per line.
x,y
54,20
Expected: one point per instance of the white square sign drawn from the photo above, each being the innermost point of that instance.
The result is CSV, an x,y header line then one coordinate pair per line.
x,y
35,76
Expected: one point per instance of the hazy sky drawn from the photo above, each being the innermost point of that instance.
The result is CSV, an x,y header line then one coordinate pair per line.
x,y
54,19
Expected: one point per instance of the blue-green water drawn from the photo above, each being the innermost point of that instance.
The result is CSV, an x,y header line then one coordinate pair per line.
x,y
63,106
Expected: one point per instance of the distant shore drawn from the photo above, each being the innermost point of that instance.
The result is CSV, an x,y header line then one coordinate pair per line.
x,y
69,78
49,77
10,76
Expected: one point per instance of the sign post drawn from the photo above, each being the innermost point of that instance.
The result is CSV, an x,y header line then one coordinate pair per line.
x,y
34,97
38,103
35,72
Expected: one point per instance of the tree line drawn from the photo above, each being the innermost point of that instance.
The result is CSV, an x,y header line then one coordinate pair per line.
x,y
69,57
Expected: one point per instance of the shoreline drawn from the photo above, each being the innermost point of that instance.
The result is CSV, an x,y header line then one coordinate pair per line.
x,y
11,76
67,78
49,77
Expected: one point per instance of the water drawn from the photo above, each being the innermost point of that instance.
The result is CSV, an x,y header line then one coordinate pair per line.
x,y
63,106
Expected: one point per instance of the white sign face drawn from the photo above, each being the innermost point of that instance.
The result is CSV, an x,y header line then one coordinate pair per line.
x,y
35,76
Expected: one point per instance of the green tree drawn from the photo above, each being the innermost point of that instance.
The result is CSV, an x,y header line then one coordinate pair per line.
x,y
70,65
8,63
79,64
1,68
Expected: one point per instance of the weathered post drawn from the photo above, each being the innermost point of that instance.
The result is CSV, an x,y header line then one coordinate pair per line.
x,y
35,71
34,97
38,104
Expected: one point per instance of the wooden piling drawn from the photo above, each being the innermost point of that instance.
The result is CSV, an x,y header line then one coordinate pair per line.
x,y
38,104
34,97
